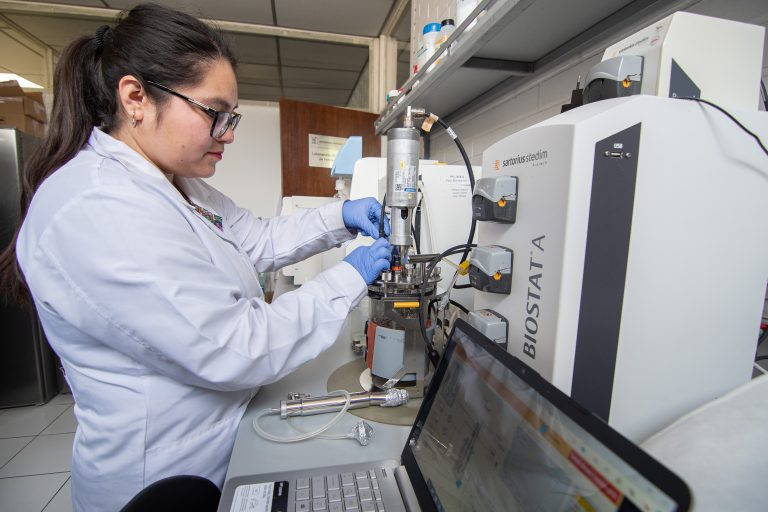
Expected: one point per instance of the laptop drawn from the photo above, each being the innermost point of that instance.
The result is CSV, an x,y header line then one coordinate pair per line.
x,y
491,435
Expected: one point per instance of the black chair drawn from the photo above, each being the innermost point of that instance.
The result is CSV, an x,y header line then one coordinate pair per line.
x,y
176,493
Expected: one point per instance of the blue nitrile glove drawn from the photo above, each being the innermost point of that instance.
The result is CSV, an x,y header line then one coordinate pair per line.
x,y
364,215
371,260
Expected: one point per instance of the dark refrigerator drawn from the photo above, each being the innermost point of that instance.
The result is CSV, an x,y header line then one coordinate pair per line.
x,y
27,364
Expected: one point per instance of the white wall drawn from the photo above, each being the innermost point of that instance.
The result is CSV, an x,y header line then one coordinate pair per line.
x,y
250,173
22,56
359,98
541,97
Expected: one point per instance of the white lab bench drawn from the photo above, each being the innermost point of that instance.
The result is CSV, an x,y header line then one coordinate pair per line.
x,y
254,455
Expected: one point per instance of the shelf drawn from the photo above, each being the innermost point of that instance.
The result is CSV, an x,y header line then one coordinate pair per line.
x,y
514,40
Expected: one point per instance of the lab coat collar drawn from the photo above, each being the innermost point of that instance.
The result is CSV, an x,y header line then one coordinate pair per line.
x,y
198,194
114,149
110,147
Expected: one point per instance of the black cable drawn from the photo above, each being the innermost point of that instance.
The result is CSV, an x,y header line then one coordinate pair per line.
x,y
461,307
471,174
381,218
448,252
761,358
431,303
450,301
416,226
434,357
428,273
765,95
461,286
432,309
757,139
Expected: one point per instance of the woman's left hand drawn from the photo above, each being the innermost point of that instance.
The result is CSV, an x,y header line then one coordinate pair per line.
x,y
364,215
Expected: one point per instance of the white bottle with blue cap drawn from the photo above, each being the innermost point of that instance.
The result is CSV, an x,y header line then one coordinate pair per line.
x,y
430,35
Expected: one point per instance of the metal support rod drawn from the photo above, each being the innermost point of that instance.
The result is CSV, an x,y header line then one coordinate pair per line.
x,y
324,404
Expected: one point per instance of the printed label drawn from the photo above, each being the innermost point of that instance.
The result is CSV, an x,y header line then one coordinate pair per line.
x,y
266,497
323,150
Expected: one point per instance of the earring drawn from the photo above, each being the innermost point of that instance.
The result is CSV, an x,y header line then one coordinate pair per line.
x,y
133,119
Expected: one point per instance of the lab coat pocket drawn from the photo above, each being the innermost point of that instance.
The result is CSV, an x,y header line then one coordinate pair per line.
x,y
205,452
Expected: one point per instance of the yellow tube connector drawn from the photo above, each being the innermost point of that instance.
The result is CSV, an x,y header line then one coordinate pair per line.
x,y
406,304
428,122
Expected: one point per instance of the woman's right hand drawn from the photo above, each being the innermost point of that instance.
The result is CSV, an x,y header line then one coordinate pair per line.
x,y
370,261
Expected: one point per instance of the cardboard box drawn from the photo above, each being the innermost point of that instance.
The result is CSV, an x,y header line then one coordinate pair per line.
x,y
21,110
23,123
38,128
30,103
38,107
19,121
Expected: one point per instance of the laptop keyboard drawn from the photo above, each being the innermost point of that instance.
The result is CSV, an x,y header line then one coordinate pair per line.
x,y
358,492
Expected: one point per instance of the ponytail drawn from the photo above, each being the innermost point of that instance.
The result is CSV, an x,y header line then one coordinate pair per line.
x,y
70,126
149,42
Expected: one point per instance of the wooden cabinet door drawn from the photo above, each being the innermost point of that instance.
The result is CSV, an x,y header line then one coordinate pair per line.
x,y
297,121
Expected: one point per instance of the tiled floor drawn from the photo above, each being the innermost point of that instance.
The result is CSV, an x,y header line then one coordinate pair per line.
x,y
35,453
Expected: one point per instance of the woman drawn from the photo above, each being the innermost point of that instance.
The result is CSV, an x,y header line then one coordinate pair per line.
x,y
145,277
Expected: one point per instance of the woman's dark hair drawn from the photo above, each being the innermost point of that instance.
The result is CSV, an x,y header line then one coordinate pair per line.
x,y
149,42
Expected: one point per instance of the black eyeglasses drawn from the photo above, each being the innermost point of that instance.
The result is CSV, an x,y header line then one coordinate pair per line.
x,y
221,120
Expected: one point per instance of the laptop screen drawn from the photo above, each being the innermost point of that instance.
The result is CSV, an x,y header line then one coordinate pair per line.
x,y
492,438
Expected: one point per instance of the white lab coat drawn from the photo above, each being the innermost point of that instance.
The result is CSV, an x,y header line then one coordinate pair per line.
x,y
159,318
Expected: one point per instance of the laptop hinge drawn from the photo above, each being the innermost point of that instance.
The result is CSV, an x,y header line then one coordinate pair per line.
x,y
406,490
